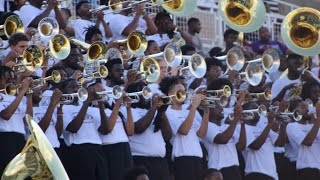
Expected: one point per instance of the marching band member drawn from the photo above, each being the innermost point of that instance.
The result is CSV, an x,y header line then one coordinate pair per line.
x,y
31,14
194,28
222,141
186,129
123,24
152,129
17,43
80,25
13,110
114,133
81,135
303,137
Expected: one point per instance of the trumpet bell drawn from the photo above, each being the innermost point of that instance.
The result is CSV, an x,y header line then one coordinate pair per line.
x,y
137,43
59,46
235,59
82,94
37,160
197,66
262,110
116,92
223,101
254,74
103,71
32,58
300,31
181,95
11,25
270,60
146,92
243,16
151,69
178,7
48,27
10,89
55,76
172,55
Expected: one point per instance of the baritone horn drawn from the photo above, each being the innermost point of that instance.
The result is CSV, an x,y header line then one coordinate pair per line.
x,y
94,51
196,65
149,69
243,16
37,160
32,59
253,74
136,43
300,31
59,46
11,25
48,27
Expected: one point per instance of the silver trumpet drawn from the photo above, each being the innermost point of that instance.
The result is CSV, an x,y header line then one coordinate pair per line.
x,y
295,115
226,90
82,95
115,93
249,114
134,96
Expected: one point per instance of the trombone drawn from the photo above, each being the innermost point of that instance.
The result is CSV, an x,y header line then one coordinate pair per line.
x,y
300,31
249,114
11,25
149,69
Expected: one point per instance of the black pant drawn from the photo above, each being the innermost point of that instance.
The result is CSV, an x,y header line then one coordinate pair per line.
x,y
157,167
282,165
308,174
257,176
231,173
188,168
11,144
119,159
85,161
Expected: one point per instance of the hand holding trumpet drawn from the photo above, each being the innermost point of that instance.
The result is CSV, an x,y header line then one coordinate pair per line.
x,y
55,98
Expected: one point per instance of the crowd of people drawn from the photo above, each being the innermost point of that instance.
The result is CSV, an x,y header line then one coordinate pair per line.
x,y
183,131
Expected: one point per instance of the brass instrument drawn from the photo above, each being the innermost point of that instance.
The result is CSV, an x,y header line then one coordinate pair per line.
x,y
253,74
48,27
37,160
61,3
102,72
134,96
243,16
32,59
226,90
167,100
55,77
174,7
10,89
149,69
82,95
59,46
235,58
115,93
295,115
13,24
136,43
196,65
249,114
2,47
300,31
266,95
172,55
94,51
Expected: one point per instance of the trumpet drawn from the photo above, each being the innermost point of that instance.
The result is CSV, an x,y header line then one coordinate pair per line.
x,y
134,96
196,65
226,90
55,77
10,89
82,95
31,60
249,114
11,25
115,93
149,69
266,94
295,115
178,8
94,51
211,101
180,95
102,72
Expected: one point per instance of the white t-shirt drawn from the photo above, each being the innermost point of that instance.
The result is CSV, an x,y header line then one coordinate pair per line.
x,y
279,84
4,53
27,13
15,123
262,160
155,88
275,75
80,25
184,145
119,22
221,155
46,98
148,143
308,156
160,39
88,132
51,133
118,133
196,40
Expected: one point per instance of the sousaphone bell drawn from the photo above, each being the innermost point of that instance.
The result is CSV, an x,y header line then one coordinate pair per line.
x,y
12,24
